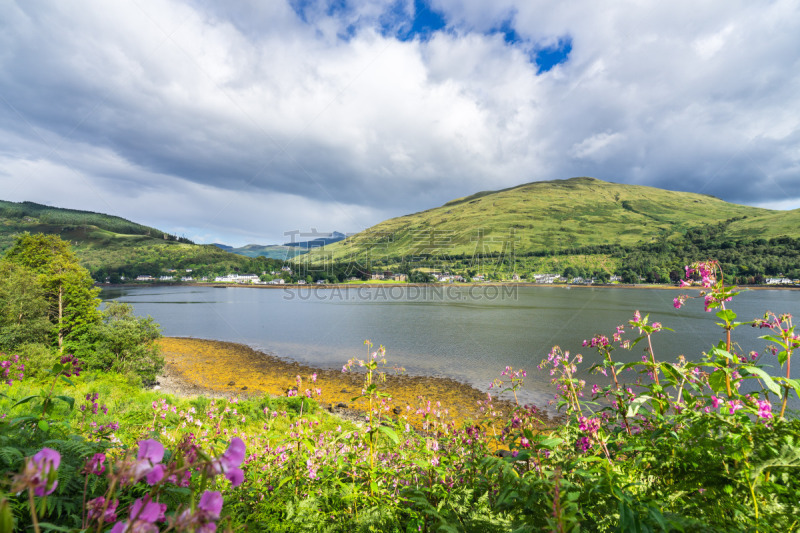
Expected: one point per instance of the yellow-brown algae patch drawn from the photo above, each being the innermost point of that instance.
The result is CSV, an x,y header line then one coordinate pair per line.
x,y
209,366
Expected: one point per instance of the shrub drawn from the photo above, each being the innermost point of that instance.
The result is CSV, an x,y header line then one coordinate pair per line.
x,y
126,344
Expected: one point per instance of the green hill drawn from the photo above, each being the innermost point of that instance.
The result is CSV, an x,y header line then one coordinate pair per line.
x,y
108,245
555,216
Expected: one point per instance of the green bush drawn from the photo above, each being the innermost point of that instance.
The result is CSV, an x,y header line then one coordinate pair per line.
x,y
38,358
125,343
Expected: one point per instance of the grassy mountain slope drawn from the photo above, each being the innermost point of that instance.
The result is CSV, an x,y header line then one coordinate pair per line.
x,y
771,224
555,215
106,244
55,216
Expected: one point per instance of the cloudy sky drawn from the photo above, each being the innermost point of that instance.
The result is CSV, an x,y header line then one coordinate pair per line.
x,y
239,121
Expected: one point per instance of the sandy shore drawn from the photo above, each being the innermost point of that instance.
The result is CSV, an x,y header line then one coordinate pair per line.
x,y
216,368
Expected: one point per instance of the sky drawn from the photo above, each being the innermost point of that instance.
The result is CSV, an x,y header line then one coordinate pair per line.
x,y
240,122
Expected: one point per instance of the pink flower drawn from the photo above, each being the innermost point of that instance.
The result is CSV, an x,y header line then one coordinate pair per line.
x,y
764,409
151,452
228,463
40,473
95,464
210,504
144,513
95,509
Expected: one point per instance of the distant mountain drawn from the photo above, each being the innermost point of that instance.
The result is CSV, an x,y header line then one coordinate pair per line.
x,y
318,242
554,216
272,251
287,250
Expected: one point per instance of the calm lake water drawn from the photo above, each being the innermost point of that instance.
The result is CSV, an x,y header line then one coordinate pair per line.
x,y
467,333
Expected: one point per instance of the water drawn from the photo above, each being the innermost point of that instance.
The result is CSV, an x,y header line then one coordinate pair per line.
x,y
466,333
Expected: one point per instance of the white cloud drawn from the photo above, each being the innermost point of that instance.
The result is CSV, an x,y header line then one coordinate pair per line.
x,y
595,146
329,109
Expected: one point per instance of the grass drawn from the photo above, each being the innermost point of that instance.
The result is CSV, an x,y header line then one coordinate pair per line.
x,y
553,215
98,244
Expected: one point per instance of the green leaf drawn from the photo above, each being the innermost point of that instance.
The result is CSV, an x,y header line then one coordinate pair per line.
x,y
588,459
726,315
794,383
25,400
70,383
768,381
52,527
67,399
716,380
636,404
673,373
551,442
389,432
43,425
717,350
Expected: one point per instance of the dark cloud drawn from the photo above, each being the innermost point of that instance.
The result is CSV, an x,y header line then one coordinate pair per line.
x,y
216,118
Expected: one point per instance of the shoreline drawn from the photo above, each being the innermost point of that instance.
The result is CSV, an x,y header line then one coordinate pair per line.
x,y
222,369
437,286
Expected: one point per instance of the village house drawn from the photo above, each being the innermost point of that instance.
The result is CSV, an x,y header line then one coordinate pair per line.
x,y
237,278
778,281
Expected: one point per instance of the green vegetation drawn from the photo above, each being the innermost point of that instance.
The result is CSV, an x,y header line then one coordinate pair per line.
x,y
49,306
705,445
680,449
583,226
115,249
594,227
544,216
29,213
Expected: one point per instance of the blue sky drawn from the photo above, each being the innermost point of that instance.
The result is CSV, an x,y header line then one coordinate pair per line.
x,y
239,122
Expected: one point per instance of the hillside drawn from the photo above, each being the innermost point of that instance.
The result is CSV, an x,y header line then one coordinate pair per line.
x,y
25,213
108,245
555,216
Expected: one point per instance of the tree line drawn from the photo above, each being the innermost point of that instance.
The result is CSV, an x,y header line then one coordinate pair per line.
x,y
49,307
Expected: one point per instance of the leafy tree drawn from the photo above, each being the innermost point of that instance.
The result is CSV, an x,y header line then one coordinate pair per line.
x,y
68,287
629,276
23,308
125,343
602,276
